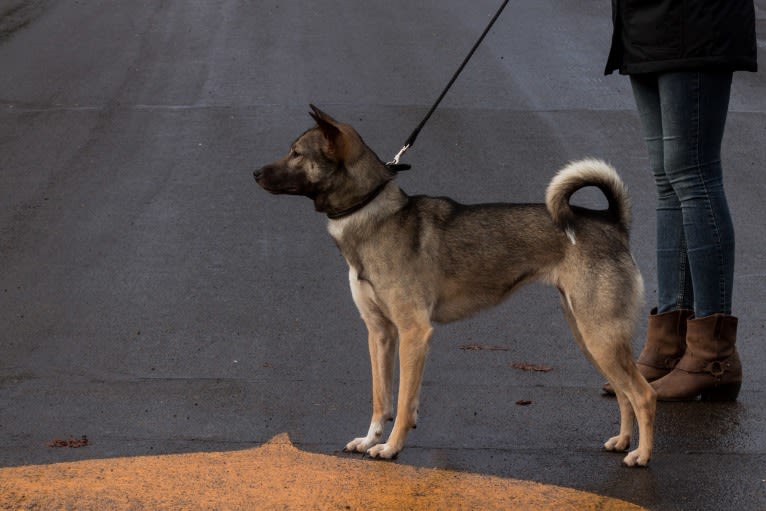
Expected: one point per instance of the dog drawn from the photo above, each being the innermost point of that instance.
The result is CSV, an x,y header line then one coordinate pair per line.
x,y
417,260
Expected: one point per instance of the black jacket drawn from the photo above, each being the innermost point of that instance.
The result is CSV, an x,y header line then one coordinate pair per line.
x,y
653,36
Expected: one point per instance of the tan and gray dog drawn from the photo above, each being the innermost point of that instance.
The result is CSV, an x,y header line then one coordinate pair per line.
x,y
417,260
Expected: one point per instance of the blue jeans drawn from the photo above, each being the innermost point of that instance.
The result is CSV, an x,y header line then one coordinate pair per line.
x,y
683,115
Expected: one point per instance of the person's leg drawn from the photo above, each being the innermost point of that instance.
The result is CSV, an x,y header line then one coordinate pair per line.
x,y
674,283
694,107
665,341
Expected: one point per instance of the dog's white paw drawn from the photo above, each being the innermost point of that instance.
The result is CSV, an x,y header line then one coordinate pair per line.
x,y
383,451
361,444
617,443
636,459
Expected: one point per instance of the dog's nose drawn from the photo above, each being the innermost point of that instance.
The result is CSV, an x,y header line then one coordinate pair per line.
x,y
257,174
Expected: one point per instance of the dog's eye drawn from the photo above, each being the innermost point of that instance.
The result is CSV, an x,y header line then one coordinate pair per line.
x,y
295,154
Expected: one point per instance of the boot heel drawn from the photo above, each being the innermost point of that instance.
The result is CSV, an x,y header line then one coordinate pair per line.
x,y
726,392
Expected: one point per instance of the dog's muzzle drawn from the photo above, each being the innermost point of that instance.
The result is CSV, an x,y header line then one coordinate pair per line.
x,y
274,181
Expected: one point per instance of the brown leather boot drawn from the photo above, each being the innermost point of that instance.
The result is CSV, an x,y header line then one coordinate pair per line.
x,y
665,343
710,367
664,346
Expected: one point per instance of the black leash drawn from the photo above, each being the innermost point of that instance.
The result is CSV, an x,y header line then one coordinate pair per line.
x,y
394,164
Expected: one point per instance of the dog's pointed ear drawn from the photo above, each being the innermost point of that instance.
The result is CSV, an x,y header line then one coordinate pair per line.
x,y
330,129
327,124
317,114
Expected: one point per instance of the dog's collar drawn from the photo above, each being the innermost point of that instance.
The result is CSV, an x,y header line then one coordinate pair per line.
x,y
335,215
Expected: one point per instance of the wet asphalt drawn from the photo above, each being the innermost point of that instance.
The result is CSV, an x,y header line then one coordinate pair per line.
x,y
153,299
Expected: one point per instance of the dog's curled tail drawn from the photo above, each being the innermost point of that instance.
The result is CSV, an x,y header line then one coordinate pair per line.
x,y
581,174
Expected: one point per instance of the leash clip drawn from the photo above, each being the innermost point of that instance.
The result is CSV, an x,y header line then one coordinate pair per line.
x,y
395,161
395,165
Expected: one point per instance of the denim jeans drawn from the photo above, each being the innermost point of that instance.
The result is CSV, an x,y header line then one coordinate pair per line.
x,y
683,115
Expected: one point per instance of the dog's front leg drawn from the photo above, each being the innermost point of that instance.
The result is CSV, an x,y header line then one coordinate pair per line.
x,y
412,355
382,342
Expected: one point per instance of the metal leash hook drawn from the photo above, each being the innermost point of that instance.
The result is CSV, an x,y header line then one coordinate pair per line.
x,y
394,164
399,154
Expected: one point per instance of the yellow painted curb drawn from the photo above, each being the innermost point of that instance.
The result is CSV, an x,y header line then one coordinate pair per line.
x,y
275,476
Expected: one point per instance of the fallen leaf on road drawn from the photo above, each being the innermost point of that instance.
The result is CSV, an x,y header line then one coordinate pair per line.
x,y
72,443
531,367
482,347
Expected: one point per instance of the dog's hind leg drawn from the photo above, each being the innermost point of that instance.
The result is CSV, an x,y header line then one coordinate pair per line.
x,y
621,442
413,347
382,341
636,398
608,348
